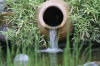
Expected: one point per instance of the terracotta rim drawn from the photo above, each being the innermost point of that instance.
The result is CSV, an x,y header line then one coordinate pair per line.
x,y
45,7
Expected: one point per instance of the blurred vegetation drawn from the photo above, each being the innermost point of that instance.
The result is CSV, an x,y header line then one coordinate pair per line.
x,y
85,16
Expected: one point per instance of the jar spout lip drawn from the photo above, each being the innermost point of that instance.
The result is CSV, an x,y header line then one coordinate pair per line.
x,y
52,15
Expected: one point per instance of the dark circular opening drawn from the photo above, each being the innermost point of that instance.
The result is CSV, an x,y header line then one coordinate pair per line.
x,y
53,16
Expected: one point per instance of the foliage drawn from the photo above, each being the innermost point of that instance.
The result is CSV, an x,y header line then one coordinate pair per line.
x,y
26,32
85,17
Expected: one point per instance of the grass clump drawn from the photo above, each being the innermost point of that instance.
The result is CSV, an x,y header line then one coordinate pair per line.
x,y
26,31
85,17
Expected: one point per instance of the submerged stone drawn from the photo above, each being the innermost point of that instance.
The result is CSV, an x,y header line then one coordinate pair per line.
x,y
90,64
21,60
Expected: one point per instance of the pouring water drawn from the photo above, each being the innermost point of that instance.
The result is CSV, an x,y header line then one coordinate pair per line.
x,y
53,47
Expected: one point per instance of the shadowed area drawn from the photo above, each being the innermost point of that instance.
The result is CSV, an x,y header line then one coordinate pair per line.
x,y
53,16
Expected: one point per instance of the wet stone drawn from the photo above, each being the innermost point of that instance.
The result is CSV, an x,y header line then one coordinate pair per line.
x,y
3,32
21,59
91,64
2,5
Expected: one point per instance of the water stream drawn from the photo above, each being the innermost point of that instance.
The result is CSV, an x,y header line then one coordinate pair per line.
x,y
53,47
53,39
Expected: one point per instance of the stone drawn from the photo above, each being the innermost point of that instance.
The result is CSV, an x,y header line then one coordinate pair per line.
x,y
2,5
21,59
90,64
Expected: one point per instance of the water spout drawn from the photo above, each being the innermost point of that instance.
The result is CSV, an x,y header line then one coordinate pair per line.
x,y
53,39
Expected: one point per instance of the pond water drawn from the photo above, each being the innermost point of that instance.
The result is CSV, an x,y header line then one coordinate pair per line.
x,y
58,58
54,56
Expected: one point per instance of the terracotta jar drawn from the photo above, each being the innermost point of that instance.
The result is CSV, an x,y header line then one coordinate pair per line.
x,y
54,14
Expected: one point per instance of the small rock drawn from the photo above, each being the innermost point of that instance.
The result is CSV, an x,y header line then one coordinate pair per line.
x,y
90,64
3,31
21,59
2,5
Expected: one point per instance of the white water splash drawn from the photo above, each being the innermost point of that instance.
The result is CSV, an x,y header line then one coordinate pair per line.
x,y
53,48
